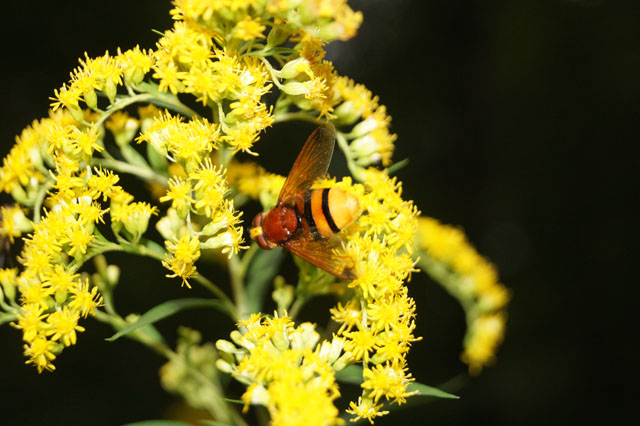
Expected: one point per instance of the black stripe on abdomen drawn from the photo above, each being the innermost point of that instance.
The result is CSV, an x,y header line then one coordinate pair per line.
x,y
308,213
327,212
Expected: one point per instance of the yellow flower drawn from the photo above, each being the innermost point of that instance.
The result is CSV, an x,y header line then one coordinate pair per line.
x,y
123,127
63,325
30,321
389,380
248,29
485,335
40,352
85,301
474,281
179,193
286,370
134,216
135,63
366,409
13,222
254,181
181,258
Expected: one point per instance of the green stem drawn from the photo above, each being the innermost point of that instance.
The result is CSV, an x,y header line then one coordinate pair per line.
x,y
37,206
156,99
221,295
449,280
272,71
292,116
221,411
140,249
356,170
148,175
296,306
237,270
7,317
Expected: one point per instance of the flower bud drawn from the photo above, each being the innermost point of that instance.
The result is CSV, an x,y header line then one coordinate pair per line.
x,y
224,366
293,68
277,36
91,99
364,127
295,88
364,146
345,360
8,281
110,90
346,113
171,226
226,346
280,341
113,275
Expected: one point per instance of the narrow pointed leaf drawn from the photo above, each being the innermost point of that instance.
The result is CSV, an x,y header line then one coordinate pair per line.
x,y
158,423
167,309
133,156
430,391
352,374
263,268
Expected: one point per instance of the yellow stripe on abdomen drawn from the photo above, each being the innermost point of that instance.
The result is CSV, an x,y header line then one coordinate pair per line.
x,y
333,210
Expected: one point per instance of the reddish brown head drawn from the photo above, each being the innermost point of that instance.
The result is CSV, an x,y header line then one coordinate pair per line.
x,y
274,227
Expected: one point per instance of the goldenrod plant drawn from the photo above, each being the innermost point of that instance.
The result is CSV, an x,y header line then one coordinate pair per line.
x,y
184,118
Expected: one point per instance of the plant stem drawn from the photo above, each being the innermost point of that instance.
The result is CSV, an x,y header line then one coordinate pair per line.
x,y
356,170
148,175
37,206
221,410
297,306
237,270
156,99
221,295
298,115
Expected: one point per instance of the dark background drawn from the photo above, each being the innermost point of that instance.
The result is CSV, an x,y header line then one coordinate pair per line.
x,y
519,119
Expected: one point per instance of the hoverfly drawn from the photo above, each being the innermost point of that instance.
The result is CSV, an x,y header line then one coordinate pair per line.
x,y
306,221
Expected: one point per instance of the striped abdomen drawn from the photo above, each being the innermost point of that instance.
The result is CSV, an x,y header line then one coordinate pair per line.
x,y
329,210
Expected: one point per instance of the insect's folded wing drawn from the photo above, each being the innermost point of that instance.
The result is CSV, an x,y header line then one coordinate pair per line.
x,y
325,254
312,163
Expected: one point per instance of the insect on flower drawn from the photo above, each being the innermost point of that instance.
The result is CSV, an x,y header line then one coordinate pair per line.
x,y
308,221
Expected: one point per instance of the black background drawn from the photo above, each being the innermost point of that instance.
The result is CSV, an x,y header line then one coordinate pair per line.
x,y
519,119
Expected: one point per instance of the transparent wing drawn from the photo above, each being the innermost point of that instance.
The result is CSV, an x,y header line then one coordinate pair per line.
x,y
325,254
312,163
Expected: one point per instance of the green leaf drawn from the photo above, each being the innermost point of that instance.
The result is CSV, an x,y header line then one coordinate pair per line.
x,y
6,317
158,423
397,166
352,374
134,157
262,269
158,162
212,423
425,390
153,246
167,309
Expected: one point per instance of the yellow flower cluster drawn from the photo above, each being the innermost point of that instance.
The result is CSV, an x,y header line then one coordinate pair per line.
x,y
13,223
227,55
254,181
103,74
285,369
53,297
188,60
236,21
371,140
471,279
377,321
